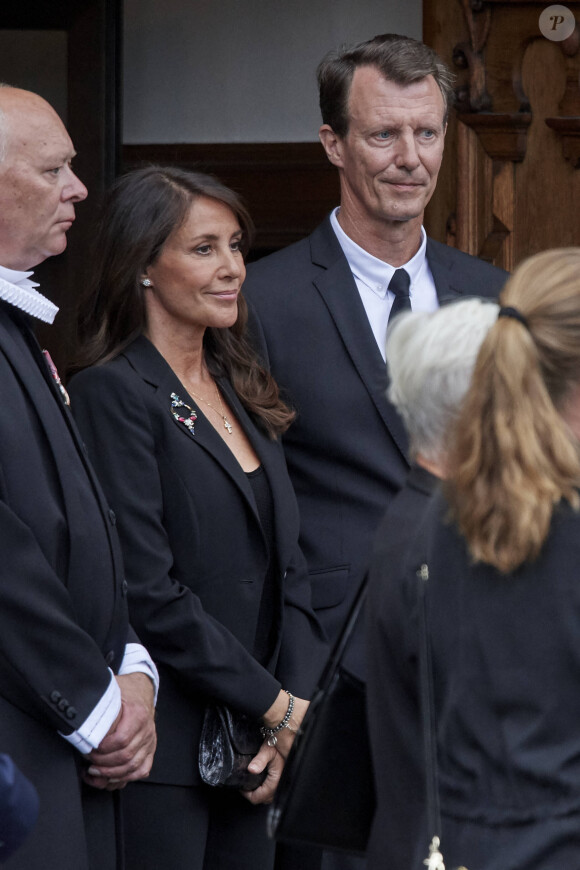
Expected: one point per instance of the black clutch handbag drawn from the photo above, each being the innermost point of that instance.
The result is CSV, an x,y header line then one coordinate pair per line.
x,y
326,794
227,744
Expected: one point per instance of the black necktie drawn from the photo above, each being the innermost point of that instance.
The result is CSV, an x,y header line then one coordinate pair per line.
x,y
399,285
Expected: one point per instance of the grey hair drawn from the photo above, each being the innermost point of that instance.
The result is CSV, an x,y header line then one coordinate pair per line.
x,y
430,358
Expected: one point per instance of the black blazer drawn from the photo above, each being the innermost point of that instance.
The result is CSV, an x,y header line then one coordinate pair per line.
x,y
506,659
347,451
194,550
63,614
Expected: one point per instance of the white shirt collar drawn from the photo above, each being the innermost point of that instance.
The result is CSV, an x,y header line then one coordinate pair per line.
x,y
17,289
375,273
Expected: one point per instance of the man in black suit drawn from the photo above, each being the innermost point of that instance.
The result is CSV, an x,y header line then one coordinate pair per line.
x,y
322,305
76,697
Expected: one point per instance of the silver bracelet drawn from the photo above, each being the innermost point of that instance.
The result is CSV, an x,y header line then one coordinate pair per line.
x,y
270,733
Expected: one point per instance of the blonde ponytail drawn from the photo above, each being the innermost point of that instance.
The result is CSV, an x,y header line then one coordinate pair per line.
x,y
515,457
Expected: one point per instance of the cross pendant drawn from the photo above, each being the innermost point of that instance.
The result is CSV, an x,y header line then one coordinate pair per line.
x,y
228,425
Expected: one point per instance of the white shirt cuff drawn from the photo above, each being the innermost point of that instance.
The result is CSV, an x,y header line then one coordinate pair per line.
x,y
138,661
98,723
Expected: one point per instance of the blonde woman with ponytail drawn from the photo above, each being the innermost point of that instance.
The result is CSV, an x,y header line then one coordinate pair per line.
x,y
500,549
517,440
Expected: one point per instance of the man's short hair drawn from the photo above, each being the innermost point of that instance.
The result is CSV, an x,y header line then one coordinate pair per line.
x,y
430,358
400,59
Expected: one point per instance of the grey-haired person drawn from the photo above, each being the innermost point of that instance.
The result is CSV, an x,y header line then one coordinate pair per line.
x,y
430,358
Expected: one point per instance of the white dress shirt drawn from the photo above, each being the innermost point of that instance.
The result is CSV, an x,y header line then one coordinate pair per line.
x,y
17,289
372,277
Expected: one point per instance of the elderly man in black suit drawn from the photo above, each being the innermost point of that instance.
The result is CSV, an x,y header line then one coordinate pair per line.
x,y
76,697
430,358
321,307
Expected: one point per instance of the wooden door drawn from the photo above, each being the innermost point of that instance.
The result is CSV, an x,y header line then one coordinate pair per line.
x,y
510,185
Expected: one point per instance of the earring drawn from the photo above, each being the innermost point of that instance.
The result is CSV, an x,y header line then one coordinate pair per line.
x,y
146,282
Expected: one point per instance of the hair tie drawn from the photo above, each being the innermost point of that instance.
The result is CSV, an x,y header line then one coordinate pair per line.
x,y
508,311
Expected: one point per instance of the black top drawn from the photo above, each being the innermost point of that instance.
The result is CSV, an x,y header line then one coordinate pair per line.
x,y
506,662
258,480
393,704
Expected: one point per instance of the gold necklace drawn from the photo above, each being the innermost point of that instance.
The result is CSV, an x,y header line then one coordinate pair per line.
x,y
227,424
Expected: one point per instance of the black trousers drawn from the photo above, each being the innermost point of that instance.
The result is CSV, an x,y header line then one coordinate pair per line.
x,y
294,857
171,827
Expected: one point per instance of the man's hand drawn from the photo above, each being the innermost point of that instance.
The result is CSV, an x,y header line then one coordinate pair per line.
x,y
270,758
126,753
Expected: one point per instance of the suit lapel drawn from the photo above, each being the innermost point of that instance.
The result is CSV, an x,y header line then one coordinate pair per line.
x,y
441,266
33,374
338,289
152,367
35,378
37,383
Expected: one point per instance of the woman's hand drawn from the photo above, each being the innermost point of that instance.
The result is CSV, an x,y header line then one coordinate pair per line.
x,y
269,758
273,717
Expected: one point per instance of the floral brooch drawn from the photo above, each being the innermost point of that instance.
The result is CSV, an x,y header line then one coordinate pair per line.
x,y
188,420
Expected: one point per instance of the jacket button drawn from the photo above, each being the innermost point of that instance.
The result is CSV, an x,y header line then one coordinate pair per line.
x,y
71,713
62,704
55,697
112,516
124,588
109,658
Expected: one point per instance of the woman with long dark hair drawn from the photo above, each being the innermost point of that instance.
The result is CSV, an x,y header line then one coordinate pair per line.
x,y
183,423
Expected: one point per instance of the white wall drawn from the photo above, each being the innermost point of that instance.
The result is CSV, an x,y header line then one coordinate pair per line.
x,y
239,70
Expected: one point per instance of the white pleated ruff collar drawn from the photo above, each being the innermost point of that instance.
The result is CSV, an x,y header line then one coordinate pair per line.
x,y
17,289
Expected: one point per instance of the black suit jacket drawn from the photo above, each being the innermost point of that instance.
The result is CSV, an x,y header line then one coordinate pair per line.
x,y
63,614
347,451
506,659
194,550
